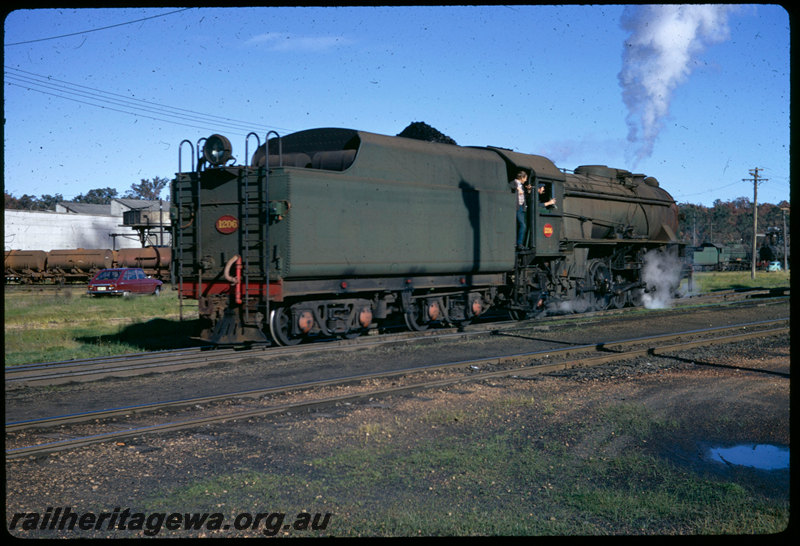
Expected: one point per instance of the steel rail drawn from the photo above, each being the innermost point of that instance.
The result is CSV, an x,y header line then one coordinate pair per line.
x,y
51,373
521,360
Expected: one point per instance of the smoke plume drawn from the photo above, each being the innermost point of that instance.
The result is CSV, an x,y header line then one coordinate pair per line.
x,y
658,57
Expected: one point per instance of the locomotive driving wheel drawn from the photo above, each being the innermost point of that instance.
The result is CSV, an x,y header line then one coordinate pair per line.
x,y
617,301
599,285
636,297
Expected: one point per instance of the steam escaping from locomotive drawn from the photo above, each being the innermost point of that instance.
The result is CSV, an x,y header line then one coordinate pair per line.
x,y
661,274
658,57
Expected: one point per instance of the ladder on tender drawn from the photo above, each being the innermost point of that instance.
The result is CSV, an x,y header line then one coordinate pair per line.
x,y
185,242
253,231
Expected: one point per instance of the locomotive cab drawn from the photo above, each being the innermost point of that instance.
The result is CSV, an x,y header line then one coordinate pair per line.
x,y
544,223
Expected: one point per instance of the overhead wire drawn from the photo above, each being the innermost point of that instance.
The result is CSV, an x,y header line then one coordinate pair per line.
x,y
119,103
95,29
783,180
128,105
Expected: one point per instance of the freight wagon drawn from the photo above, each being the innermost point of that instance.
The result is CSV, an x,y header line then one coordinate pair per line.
x,y
81,264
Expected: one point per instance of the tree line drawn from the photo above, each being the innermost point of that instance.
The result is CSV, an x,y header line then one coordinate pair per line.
x,y
146,189
728,221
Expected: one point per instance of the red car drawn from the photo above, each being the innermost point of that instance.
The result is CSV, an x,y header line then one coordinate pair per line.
x,y
123,281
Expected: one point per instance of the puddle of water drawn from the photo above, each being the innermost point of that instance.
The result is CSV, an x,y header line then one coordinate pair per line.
x,y
762,456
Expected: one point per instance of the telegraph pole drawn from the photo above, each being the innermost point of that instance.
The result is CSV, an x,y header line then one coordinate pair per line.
x,y
755,180
785,247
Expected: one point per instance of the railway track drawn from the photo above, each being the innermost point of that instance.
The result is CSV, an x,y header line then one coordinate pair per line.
x,y
54,373
35,437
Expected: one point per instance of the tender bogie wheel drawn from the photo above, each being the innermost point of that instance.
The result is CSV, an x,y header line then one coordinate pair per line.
x,y
280,327
361,323
414,320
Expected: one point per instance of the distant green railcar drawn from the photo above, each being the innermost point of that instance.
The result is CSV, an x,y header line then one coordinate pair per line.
x,y
705,257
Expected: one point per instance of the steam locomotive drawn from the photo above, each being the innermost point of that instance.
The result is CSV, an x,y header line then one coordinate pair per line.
x,y
737,256
331,232
711,257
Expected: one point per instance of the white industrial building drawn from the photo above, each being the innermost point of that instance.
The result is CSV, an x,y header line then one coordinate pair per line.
x,y
125,223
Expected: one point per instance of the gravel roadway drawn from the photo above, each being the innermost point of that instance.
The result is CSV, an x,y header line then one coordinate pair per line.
x,y
716,396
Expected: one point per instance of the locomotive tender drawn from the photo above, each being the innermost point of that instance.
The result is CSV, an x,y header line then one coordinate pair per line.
x,y
328,232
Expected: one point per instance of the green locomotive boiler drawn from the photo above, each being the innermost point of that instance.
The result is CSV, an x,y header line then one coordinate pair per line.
x,y
330,232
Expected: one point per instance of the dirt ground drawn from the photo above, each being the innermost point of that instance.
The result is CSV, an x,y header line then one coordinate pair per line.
x,y
711,396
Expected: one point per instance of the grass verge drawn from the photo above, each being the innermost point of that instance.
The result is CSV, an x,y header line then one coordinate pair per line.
x,y
740,280
69,324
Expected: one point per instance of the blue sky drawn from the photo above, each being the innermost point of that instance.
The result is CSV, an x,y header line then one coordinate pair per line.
x,y
695,96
